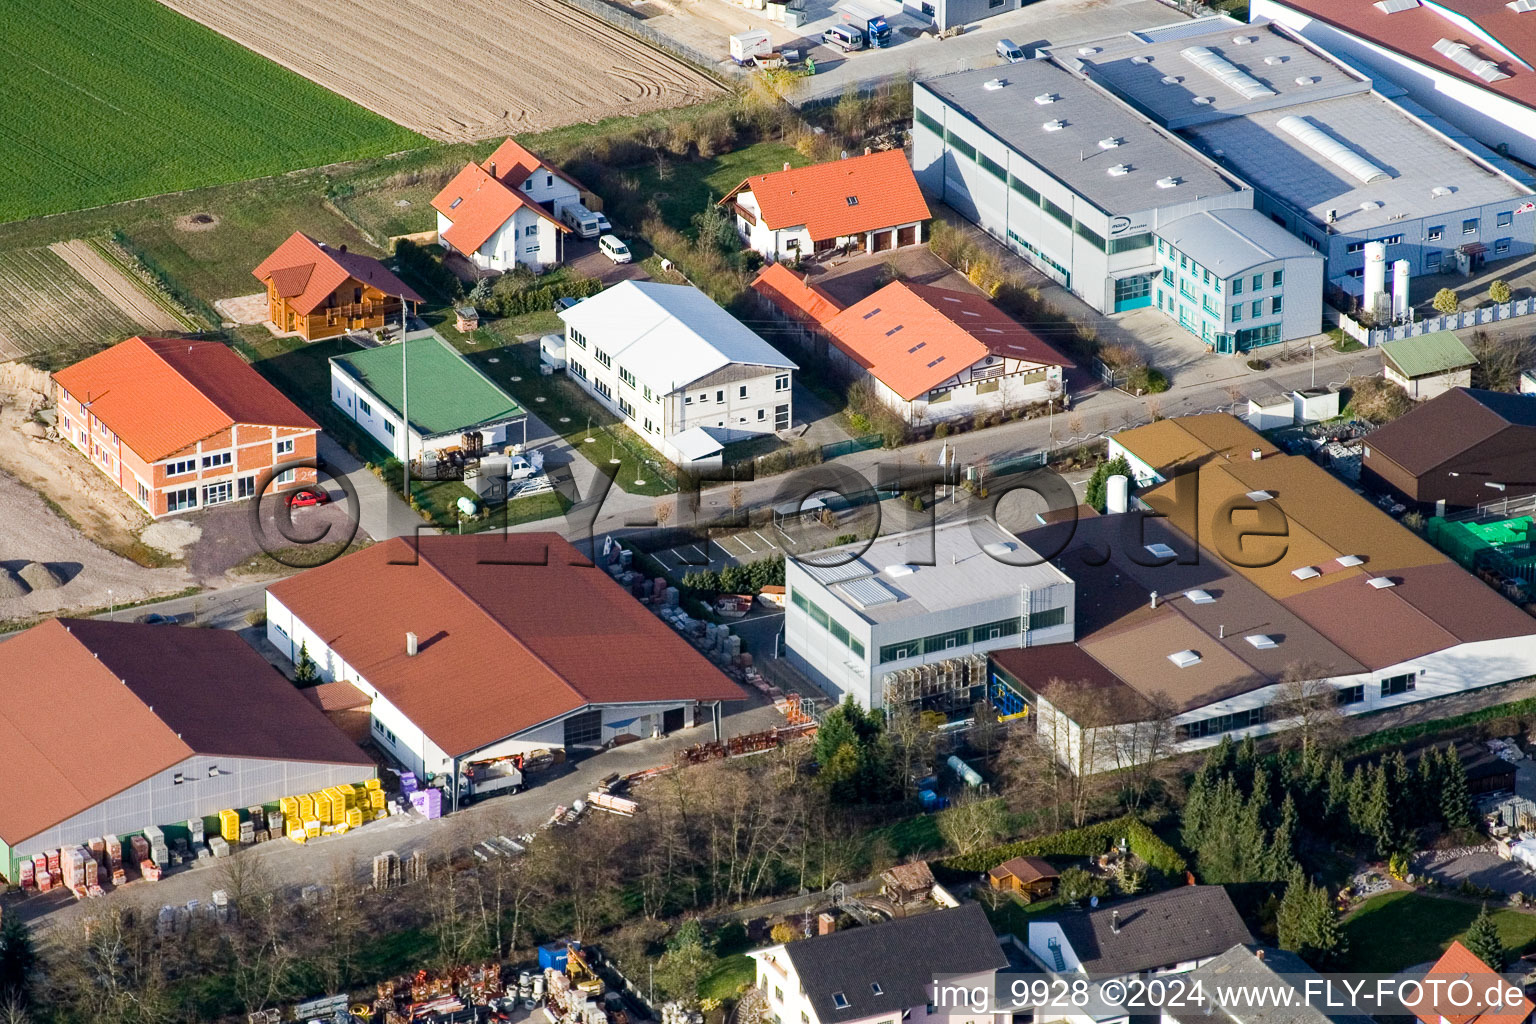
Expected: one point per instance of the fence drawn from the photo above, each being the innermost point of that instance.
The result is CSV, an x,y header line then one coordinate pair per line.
x,y
1448,322
628,23
837,449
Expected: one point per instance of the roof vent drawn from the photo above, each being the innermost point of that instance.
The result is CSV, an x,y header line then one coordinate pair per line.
x,y
998,548
1261,641
1259,496
1172,79
994,84
1325,145
1460,54
1168,182
1110,143
1244,40
1199,597
1202,101
411,645
1371,204
1350,560
1306,572
1184,659
1087,51
1307,80
1054,126
1141,58
1393,6
1119,170
1256,454
1276,58
1160,550
1046,97
1381,582
1441,191
900,569
1522,6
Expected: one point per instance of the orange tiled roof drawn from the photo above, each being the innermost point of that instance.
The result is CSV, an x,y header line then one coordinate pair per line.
x,y
915,337
842,197
795,296
513,164
160,395
307,273
1458,964
478,203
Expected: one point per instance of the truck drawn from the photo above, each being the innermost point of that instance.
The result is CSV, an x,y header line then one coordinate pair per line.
x,y
487,777
877,31
747,46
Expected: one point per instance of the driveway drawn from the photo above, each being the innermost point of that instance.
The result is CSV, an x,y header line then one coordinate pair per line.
x,y
1485,869
584,259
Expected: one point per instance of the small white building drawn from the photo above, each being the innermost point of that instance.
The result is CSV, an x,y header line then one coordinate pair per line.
x,y
871,202
507,212
667,359
448,398
1428,365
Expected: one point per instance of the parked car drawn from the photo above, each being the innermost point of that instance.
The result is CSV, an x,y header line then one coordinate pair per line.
x,y
564,303
157,619
1009,51
844,37
614,249
307,496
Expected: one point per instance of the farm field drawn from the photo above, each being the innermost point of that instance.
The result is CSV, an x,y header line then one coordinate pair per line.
x,y
533,65
127,98
66,299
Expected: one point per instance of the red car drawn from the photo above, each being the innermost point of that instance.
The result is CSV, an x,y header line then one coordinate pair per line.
x,y
307,496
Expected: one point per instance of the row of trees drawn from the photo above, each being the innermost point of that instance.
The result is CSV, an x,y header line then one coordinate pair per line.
x,y
738,579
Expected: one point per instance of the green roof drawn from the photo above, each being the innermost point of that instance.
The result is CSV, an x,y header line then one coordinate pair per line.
x,y
447,393
1428,353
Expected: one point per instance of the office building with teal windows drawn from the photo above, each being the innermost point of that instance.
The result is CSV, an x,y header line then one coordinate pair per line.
x,y
1238,281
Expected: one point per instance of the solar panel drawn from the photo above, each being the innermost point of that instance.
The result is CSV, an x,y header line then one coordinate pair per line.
x,y
869,592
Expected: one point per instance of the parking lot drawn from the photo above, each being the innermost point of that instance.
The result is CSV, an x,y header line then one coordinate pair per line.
x,y
720,551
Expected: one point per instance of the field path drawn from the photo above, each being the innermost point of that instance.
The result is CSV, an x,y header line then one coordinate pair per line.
x,y
115,286
461,70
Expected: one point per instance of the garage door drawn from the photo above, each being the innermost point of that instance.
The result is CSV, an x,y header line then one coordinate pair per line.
x,y
883,240
672,720
906,236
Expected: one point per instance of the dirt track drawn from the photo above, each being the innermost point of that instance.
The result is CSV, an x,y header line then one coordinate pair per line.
x,y
459,70
114,286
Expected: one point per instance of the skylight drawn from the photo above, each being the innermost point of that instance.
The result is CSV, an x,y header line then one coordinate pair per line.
x,y
1045,98
1199,597
839,1000
1258,496
1349,560
455,204
873,312
1224,71
1394,6
893,330
1325,145
1168,182
1462,55
900,570
1161,551
1054,126
874,987
1184,659
1306,572
1381,582
1522,6
1262,642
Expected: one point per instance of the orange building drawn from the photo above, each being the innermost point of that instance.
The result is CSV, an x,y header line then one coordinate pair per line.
x,y
319,292
182,424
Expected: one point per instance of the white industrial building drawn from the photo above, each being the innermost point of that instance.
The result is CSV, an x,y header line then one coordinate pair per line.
x,y
668,360
475,649
149,726
861,614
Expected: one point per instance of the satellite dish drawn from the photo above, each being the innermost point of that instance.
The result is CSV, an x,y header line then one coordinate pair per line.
x,y
1093,901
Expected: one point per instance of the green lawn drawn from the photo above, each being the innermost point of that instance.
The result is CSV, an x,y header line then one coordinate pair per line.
x,y
1011,917
1397,930
689,185
126,98
729,975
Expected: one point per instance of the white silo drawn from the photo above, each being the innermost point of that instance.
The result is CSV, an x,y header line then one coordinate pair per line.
x,y
1400,276
1117,495
1375,298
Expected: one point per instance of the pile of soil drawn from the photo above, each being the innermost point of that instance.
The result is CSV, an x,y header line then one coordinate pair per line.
x,y
38,576
11,585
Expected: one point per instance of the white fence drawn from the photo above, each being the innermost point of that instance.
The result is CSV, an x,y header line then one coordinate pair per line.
x,y
1447,322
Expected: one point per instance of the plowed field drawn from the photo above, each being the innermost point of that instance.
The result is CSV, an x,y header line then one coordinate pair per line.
x,y
460,70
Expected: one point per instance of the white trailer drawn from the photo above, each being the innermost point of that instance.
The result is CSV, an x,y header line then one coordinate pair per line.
x,y
747,45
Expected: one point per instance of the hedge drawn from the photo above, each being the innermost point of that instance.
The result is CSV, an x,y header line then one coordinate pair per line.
x,y
1089,841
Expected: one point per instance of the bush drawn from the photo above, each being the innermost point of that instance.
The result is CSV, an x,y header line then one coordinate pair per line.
x,y
1377,399
421,264
1097,492
1089,841
1076,886
256,617
1147,379
1499,292
514,294
1446,301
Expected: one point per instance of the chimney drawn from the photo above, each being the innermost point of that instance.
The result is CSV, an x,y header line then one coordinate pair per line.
x,y
343,247
1154,599
1221,632
410,645
826,924
1114,921
786,165
1258,955
1256,454
492,168
868,150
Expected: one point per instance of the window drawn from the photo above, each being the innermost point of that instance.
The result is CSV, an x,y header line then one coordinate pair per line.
x,y
1168,276
959,145
1258,281
364,408
1253,337
626,377
839,1000
1183,262
778,993
719,396
217,494
1350,694
1017,184
1432,260
649,428
287,476
928,122
215,461
1257,310
874,987
1469,226
586,727
177,779
1505,219
578,369
1130,243
1500,246
994,630
577,338
1277,279
1129,289
780,383
1355,247
1056,211
389,428
175,501
1435,232
1393,240
1090,236
285,447
1207,276
530,230
143,493
946,641
1047,618
703,397
1237,286
626,408
647,392
1237,313
902,651
602,388
991,166
1223,723
1394,685
178,468
602,357
1275,304
246,487
741,392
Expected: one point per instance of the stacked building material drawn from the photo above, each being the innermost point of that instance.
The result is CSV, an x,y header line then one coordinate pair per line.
x,y
428,802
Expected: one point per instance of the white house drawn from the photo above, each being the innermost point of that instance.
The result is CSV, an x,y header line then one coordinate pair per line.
x,y
871,202
474,649
1427,365
915,970
506,212
449,398
667,359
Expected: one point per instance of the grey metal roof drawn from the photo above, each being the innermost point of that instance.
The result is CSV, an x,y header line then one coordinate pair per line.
x,y
829,573
1228,242
1072,154
885,968
1191,922
962,573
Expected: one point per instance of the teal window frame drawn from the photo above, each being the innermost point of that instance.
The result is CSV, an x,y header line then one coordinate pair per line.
x,y
1015,183
1130,243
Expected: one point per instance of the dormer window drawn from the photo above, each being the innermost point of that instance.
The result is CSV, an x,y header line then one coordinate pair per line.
x,y
839,1000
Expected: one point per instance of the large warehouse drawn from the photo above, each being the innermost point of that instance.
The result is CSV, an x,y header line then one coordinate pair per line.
x,y
109,727
474,649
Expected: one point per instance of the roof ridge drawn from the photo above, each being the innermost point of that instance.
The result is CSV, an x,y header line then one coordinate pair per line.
x,y
195,389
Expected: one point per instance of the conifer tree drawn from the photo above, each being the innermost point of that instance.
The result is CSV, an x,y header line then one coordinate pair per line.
x,y
1482,940
1455,800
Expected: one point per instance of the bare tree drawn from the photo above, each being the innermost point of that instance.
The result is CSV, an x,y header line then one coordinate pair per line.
x,y
1031,776
1076,721
1141,745
1312,703
663,513
912,743
13,1012
973,823
262,938
986,730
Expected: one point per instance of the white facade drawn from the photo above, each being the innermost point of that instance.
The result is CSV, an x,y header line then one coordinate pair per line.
x,y
1424,388
790,243
791,1004
385,426
991,384
525,239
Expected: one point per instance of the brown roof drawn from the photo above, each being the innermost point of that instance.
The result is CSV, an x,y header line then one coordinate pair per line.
x,y
338,696
514,162
915,875
140,700
1163,444
1026,869
1454,423
307,273
515,630
160,395
840,197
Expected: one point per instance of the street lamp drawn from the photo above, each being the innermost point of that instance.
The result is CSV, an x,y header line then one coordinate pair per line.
x,y
111,606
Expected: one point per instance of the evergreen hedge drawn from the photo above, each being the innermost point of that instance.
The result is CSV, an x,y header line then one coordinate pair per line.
x,y
1089,841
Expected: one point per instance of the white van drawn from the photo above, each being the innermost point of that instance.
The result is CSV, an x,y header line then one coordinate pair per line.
x,y
612,247
1009,51
844,37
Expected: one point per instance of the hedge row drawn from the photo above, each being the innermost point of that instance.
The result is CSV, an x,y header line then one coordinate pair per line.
x,y
1089,841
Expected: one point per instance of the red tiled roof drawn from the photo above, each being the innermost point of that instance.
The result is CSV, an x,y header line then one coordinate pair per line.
x,y
881,188
478,203
307,273
338,696
515,630
797,297
147,696
914,337
1458,964
514,163
160,395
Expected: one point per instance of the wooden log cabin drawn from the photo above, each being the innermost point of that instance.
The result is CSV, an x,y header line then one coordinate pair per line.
x,y
316,291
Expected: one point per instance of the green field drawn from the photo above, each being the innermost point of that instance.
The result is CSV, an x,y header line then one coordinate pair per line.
x,y
1397,930
116,99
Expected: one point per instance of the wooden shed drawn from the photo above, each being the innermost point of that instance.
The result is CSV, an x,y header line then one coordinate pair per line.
x,y
907,883
1026,876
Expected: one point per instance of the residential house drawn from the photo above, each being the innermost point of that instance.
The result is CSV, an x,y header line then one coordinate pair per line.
x,y
506,213
885,972
179,424
1427,365
1247,969
449,399
1442,1000
667,360
316,291
479,648
1465,448
1028,877
870,202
